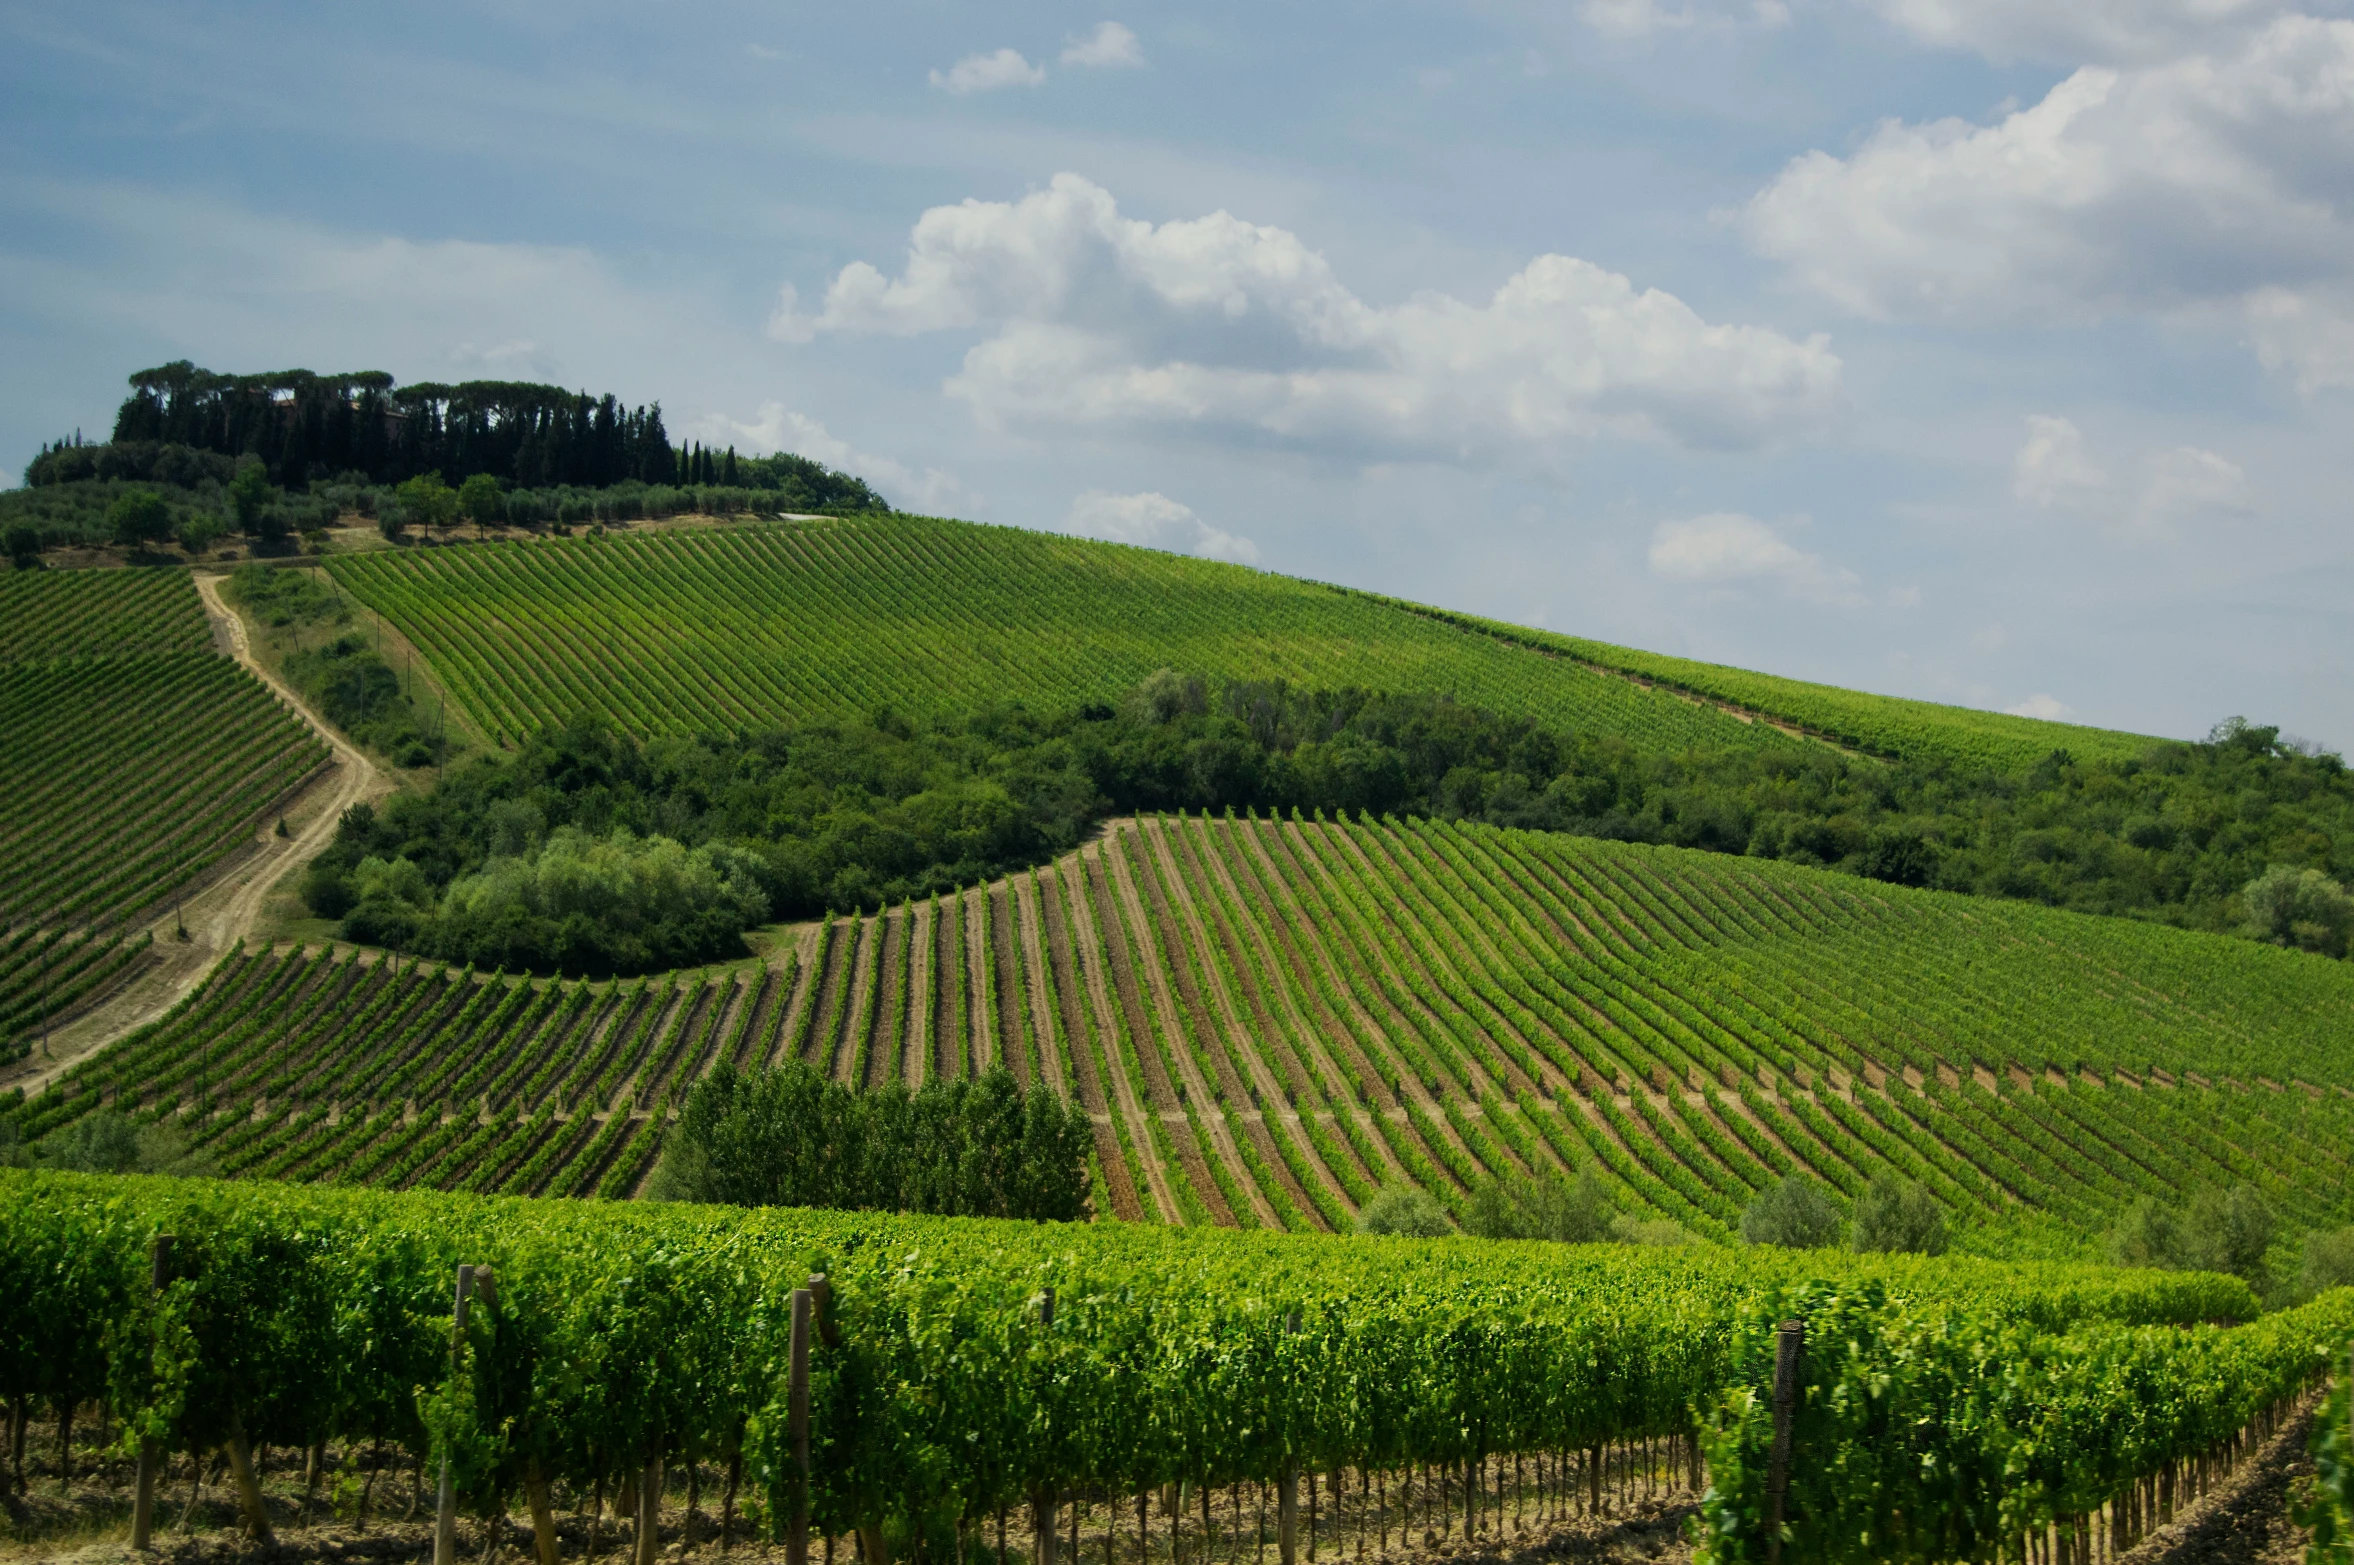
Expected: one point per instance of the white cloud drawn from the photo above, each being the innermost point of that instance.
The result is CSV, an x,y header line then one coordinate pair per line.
x,y
2078,31
1641,18
2050,709
2189,486
1728,549
2053,469
1154,521
987,72
1214,323
2211,186
1109,44
2184,487
778,428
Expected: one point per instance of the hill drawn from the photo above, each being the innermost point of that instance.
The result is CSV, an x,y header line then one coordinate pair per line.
x,y
1268,1020
138,760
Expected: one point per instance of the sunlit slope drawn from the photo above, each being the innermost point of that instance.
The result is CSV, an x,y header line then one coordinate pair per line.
x,y
1883,725
693,631
1269,1020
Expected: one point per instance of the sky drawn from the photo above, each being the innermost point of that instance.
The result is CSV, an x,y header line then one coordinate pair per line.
x,y
1984,351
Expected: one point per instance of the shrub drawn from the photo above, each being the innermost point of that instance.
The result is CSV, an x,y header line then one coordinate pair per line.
x,y
1407,1211
1545,1206
1898,1216
1796,1214
138,518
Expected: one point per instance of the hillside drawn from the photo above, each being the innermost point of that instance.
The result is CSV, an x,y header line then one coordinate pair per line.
x,y
681,632
138,760
1268,1020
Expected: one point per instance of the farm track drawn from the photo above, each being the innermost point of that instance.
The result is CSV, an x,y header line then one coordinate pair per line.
x,y
221,912
1266,1021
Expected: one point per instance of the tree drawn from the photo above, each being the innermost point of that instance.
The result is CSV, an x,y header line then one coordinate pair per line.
x,y
481,502
140,517
2229,1231
249,497
24,545
2328,1262
1796,1214
1404,1210
427,502
200,532
2299,907
1897,1216
1542,1206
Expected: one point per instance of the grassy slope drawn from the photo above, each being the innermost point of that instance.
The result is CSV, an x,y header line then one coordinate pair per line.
x,y
685,630
693,630
1298,1013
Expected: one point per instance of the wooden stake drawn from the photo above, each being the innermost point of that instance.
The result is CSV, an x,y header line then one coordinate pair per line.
x,y
1042,1499
150,1453
445,1512
649,1535
1789,1343
1287,1492
797,1425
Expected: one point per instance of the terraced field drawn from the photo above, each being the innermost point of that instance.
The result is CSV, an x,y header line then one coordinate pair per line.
x,y
750,627
691,632
137,760
1270,1019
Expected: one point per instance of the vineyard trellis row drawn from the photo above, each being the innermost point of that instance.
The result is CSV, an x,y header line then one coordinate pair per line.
x,y
1268,1021
972,1366
779,623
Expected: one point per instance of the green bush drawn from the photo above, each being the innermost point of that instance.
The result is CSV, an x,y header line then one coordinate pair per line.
x,y
1796,1214
1897,1216
1542,1206
1407,1211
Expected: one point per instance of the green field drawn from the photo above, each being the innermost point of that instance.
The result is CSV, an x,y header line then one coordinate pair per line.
x,y
137,761
1270,1020
781,623
716,630
963,1367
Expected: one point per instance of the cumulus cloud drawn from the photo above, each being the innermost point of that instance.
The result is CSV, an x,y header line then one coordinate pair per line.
x,y
2080,31
2205,185
1729,549
2053,469
1110,44
1152,520
2050,709
987,72
778,428
2178,490
1218,324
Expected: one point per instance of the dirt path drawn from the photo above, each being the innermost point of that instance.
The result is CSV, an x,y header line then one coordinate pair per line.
x,y
2246,1520
226,907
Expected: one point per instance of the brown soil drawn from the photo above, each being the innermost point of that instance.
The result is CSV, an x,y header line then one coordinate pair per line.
x,y
2245,1521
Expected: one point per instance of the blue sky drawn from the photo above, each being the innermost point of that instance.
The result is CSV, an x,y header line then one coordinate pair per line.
x,y
1987,351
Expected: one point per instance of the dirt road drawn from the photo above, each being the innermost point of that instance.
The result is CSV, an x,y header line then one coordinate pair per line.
x,y
225,908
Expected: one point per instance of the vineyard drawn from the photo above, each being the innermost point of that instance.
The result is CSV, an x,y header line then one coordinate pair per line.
x,y
1883,725
137,761
1270,1020
949,1371
714,631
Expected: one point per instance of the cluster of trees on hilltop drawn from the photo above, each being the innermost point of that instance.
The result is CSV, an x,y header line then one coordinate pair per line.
x,y
308,428
2241,833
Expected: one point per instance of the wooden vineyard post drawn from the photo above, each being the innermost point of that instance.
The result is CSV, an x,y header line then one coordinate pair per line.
x,y
1042,1499
1789,1342
797,1426
150,1452
1287,1492
445,1507
649,1531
